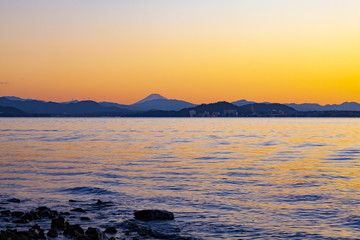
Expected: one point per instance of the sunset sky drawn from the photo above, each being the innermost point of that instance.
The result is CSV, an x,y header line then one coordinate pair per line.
x,y
199,51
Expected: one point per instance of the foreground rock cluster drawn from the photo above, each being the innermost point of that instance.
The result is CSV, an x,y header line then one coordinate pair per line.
x,y
27,226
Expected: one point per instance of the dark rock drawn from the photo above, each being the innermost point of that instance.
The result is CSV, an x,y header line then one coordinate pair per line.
x,y
93,234
5,212
77,210
85,219
111,230
14,200
42,209
36,232
74,231
112,238
13,235
35,215
36,227
27,216
101,203
17,214
59,223
72,200
52,233
22,221
64,213
133,226
149,215
45,212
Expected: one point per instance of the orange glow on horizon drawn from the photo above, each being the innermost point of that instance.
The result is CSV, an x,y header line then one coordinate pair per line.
x,y
288,56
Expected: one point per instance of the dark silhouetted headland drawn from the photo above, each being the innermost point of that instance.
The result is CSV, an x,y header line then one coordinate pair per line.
x,y
156,105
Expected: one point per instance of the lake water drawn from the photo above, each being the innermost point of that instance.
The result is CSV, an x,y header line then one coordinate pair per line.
x,y
223,178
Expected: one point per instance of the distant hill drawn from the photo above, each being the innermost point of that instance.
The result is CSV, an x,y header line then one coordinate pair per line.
x,y
158,102
111,104
268,109
242,102
13,98
305,106
225,109
151,97
158,106
41,107
10,112
346,106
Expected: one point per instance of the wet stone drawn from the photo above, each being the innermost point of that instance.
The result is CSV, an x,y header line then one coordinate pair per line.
x,y
13,235
93,234
99,202
35,215
133,226
43,208
72,200
74,231
36,227
45,212
77,210
59,223
85,219
111,230
52,233
27,216
150,215
21,221
14,200
17,214
36,232
5,212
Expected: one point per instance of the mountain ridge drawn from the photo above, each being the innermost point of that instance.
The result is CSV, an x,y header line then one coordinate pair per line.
x,y
153,96
159,102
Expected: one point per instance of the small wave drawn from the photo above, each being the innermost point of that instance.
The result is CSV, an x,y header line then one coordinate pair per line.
x,y
29,130
221,152
211,158
242,174
301,198
269,143
86,190
353,221
341,158
304,184
350,151
305,145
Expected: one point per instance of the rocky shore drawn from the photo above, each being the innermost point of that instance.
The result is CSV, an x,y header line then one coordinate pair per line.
x,y
45,223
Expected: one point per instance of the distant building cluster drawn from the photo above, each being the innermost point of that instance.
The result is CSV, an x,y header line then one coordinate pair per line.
x,y
225,113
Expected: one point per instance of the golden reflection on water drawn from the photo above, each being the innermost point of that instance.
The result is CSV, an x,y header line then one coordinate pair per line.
x,y
282,174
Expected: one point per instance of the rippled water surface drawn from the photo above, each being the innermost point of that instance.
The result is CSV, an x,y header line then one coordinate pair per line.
x,y
223,178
